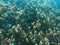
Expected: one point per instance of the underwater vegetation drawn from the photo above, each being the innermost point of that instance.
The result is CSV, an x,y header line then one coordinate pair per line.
x,y
29,22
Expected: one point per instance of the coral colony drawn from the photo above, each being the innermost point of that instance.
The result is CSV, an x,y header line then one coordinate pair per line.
x,y
29,22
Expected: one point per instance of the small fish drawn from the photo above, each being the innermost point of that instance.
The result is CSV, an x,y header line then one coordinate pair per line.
x,y
0,9
8,25
1,18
